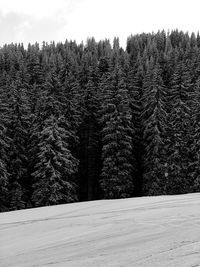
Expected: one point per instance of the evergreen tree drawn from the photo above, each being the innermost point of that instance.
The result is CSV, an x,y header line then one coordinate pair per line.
x,y
3,185
154,123
4,147
89,144
179,131
18,134
116,179
135,92
53,175
4,175
195,148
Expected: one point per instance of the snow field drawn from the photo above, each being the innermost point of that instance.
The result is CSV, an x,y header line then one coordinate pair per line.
x,y
147,231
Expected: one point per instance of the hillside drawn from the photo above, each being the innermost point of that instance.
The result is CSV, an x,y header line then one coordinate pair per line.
x,y
147,231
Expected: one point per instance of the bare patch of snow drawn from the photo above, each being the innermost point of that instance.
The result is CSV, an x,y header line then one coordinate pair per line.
x,y
148,231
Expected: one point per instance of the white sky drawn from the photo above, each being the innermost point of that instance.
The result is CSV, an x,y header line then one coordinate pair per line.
x,y
46,20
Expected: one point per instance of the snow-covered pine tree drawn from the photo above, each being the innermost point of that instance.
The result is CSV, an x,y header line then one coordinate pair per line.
x,y
18,114
179,130
71,97
4,175
54,164
4,145
36,79
117,181
195,148
154,123
53,175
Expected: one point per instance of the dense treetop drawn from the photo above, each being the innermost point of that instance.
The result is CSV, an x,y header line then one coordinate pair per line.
x,y
82,122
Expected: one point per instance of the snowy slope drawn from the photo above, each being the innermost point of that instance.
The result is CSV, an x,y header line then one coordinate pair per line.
x,y
148,231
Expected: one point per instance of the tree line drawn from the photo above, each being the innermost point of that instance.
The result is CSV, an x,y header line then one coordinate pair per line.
x,y
83,122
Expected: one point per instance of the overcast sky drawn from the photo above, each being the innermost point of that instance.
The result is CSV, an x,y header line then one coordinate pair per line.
x,y
46,20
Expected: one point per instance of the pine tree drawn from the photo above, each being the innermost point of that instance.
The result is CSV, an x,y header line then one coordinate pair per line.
x,y
179,131
18,134
4,147
4,175
195,148
116,176
135,92
53,175
154,123
89,144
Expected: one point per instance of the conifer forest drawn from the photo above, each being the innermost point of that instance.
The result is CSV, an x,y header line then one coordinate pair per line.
x,y
93,121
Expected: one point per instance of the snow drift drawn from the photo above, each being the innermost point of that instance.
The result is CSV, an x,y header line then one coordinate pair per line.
x,y
147,231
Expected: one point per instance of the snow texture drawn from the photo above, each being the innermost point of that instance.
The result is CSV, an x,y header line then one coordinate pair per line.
x,y
148,231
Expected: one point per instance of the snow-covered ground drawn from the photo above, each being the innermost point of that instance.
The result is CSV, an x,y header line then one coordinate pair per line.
x,y
148,231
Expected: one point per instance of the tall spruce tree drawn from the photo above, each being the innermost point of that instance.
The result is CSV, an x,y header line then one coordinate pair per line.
x,y
4,146
117,181
89,144
54,165
53,175
18,133
135,92
4,175
154,123
195,148
179,131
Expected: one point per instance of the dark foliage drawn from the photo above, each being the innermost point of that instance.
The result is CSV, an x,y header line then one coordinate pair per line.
x,y
84,122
